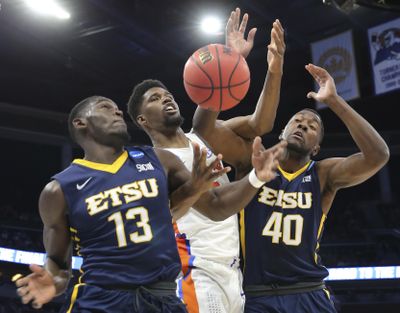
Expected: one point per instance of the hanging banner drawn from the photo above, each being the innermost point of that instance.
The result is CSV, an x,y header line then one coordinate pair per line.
x,y
336,55
384,46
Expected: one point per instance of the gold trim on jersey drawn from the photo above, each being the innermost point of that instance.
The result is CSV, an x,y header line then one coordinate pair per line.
x,y
74,296
110,168
321,225
242,232
328,294
291,176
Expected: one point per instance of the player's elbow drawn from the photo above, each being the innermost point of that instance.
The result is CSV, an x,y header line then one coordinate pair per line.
x,y
382,155
261,128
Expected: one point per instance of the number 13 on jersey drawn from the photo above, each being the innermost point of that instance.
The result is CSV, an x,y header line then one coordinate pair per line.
x,y
278,227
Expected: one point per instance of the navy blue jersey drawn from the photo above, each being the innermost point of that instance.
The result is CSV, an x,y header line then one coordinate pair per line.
x,y
282,228
120,219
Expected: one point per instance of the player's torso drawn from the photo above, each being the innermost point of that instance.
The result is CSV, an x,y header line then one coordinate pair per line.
x,y
197,235
120,219
283,225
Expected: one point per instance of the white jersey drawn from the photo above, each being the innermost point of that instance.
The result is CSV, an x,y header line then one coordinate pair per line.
x,y
204,238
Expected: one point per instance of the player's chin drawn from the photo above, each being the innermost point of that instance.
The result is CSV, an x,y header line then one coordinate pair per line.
x,y
174,120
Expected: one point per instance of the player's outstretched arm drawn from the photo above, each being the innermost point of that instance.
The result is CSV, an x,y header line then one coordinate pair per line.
x,y
44,283
374,153
263,118
240,131
217,203
224,201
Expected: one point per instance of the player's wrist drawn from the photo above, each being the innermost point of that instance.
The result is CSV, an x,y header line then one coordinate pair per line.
x,y
254,180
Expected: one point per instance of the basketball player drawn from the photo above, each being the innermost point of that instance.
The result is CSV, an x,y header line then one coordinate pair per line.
x,y
114,205
209,250
284,222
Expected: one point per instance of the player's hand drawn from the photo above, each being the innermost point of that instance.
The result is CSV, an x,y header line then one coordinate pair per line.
x,y
234,34
327,87
276,48
38,287
266,161
203,175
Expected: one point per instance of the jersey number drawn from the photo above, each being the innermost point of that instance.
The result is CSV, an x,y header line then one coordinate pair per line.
x,y
143,222
276,230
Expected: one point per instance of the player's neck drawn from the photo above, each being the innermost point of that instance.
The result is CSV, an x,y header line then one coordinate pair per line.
x,y
292,164
170,139
95,152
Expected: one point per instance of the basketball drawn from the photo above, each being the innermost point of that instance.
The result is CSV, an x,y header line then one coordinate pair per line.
x,y
216,77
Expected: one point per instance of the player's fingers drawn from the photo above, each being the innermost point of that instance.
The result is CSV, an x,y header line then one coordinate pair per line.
x,y
313,73
237,18
196,152
219,173
243,24
278,42
36,305
314,70
257,146
27,298
251,35
312,95
229,25
203,155
277,24
37,269
22,291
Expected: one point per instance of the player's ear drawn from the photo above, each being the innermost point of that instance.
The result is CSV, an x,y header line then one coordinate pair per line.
x,y
141,120
315,150
79,123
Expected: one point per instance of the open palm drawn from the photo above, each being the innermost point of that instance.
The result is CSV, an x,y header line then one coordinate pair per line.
x,y
234,34
38,287
327,87
266,161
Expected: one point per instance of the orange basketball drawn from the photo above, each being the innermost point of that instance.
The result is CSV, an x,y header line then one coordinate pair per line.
x,y
216,77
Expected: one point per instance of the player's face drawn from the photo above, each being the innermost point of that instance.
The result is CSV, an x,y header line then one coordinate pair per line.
x,y
303,133
159,109
105,122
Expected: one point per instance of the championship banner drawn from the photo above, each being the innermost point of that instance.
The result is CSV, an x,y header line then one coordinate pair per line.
x,y
336,55
384,46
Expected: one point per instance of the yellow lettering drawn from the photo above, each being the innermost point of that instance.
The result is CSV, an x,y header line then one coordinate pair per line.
x,y
268,196
153,188
131,192
96,204
289,200
114,195
279,198
308,200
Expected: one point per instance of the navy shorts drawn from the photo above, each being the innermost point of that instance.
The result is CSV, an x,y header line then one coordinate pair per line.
x,y
93,299
317,301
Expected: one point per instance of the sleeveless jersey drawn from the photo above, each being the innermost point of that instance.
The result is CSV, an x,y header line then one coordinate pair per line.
x,y
282,227
120,219
197,236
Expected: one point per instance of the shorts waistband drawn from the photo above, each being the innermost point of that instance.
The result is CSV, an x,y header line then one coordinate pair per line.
x,y
280,289
161,288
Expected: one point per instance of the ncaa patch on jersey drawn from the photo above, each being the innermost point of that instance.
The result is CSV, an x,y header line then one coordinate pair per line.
x,y
136,154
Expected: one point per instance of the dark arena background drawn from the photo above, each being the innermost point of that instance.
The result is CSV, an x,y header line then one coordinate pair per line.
x,y
50,60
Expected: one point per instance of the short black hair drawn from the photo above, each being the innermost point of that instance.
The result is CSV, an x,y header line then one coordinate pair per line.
x,y
77,111
136,98
321,123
